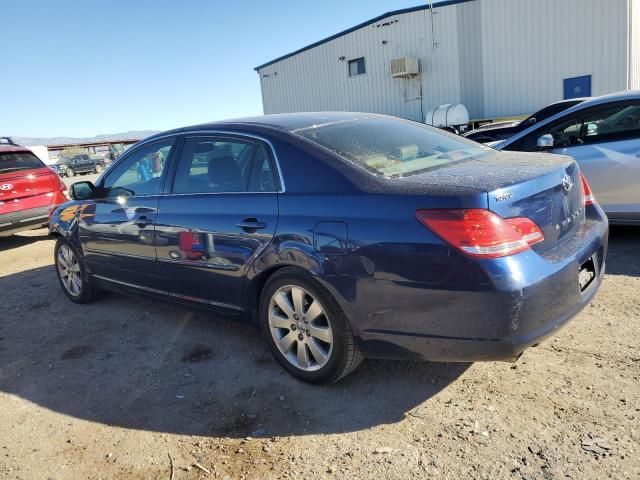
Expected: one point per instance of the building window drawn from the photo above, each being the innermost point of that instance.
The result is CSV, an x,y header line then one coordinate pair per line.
x,y
356,67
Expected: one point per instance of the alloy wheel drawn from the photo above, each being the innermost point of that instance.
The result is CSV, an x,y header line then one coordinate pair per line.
x,y
69,270
300,328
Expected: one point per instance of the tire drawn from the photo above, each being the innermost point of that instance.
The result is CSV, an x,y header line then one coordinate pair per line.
x,y
99,168
65,258
69,172
299,332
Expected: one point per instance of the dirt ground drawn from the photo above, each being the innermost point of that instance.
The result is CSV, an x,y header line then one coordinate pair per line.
x,y
133,388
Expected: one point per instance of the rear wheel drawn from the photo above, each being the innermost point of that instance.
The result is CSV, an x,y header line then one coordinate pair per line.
x,y
69,172
72,274
99,168
307,332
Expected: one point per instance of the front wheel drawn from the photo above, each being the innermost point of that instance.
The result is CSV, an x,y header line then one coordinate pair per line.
x,y
307,332
99,168
69,172
71,273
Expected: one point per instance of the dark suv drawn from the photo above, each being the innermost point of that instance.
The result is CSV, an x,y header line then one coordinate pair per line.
x,y
83,163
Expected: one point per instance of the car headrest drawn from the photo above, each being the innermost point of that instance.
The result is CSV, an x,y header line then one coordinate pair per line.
x,y
223,169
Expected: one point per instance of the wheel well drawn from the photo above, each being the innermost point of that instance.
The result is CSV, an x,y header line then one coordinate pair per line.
x,y
256,287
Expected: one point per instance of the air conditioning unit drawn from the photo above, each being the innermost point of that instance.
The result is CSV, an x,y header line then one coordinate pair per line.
x,y
405,67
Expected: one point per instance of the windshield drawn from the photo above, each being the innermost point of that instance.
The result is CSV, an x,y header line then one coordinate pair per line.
x,y
16,161
392,148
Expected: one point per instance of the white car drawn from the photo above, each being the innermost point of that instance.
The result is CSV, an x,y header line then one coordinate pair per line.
x,y
603,135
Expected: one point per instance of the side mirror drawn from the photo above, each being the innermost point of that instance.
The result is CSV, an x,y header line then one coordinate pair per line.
x,y
82,190
545,142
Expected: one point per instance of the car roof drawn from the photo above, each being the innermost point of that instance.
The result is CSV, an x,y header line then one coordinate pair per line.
x,y
611,97
286,122
6,148
569,100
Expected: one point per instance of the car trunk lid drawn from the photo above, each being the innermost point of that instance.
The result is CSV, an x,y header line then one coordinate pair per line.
x,y
544,188
20,190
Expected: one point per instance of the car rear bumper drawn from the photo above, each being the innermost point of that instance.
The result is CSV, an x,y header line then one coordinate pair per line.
x,y
519,301
23,220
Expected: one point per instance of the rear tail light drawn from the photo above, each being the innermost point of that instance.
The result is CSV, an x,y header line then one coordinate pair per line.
x,y
481,233
589,199
62,187
525,227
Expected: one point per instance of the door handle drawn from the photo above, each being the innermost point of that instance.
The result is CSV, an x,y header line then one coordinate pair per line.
x,y
143,221
251,224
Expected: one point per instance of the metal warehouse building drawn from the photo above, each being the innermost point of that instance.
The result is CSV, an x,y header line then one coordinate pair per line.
x,y
497,57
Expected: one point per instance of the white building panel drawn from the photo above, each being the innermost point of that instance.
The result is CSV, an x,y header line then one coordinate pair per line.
x,y
529,47
634,45
498,57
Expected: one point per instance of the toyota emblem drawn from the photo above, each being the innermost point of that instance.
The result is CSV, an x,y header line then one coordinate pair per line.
x,y
567,184
6,186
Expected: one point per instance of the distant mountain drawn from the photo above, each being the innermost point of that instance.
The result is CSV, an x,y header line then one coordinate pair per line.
x,y
133,135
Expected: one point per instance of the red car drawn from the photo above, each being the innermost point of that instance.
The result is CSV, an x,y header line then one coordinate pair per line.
x,y
28,190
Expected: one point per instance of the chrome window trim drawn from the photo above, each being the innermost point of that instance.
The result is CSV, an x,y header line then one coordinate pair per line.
x,y
225,132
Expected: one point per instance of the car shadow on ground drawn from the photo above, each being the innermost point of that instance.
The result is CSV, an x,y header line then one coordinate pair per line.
x,y
23,239
142,364
623,257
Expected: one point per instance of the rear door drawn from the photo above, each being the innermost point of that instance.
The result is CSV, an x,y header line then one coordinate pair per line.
x,y
116,227
83,163
220,215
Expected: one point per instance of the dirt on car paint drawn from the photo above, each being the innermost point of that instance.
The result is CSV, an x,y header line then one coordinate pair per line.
x,y
135,388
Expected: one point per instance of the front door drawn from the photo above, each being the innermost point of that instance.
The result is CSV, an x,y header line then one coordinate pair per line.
x,y
116,227
220,215
607,148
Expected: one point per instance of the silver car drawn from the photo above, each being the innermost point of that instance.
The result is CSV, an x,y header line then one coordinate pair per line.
x,y
603,135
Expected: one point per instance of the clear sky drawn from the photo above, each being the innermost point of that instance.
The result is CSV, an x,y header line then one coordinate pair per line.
x,y
86,67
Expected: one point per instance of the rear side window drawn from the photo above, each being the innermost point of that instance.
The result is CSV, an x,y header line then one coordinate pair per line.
x,y
220,165
616,123
392,148
16,161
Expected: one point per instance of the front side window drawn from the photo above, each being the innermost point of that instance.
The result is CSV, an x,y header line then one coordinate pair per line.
x,y
16,161
140,173
220,165
601,125
389,147
357,67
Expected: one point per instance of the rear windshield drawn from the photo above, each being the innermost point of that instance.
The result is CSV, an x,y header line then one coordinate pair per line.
x,y
390,147
16,161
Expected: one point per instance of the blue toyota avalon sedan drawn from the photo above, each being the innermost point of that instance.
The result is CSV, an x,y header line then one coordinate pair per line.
x,y
342,236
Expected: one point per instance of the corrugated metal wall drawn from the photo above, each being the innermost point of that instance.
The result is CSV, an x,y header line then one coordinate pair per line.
x,y
529,47
634,43
317,79
470,58
499,57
